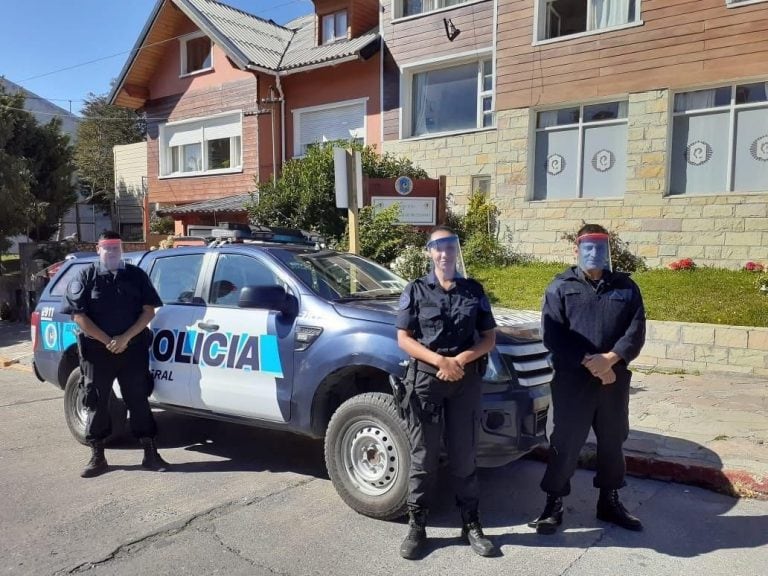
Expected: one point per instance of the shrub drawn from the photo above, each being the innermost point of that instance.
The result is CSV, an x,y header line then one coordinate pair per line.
x,y
622,258
412,263
161,224
477,229
381,238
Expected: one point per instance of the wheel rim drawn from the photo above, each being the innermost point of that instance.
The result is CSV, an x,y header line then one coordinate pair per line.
x,y
371,459
80,411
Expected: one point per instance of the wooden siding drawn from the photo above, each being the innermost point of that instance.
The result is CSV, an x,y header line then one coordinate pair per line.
x,y
423,37
682,44
256,141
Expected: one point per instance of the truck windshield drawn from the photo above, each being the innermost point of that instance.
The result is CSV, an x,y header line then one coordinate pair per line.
x,y
338,276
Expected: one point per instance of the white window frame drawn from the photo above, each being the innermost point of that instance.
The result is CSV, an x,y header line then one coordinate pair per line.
x,y
164,151
738,3
335,38
397,9
297,112
183,52
580,149
540,23
406,90
732,108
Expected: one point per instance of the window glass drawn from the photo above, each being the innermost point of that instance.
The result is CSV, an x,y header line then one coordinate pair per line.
x,y
192,160
219,154
751,151
605,160
445,100
699,153
751,93
581,152
565,17
232,273
175,277
198,54
720,140
482,184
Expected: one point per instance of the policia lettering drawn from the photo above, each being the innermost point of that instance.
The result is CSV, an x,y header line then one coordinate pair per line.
x,y
445,324
217,349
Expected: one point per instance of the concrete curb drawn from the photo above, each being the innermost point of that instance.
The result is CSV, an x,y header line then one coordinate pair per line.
x,y
733,482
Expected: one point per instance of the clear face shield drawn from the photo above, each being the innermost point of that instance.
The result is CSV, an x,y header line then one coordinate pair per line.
x,y
111,254
445,256
594,252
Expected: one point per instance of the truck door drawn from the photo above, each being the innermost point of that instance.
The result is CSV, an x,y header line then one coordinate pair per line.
x,y
246,359
176,278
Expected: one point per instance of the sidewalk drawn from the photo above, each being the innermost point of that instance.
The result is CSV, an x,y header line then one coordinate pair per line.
x,y
709,430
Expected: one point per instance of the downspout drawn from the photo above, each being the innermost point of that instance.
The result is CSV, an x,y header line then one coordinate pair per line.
x,y
279,87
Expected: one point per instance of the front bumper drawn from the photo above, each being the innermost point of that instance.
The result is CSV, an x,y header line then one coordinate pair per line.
x,y
512,423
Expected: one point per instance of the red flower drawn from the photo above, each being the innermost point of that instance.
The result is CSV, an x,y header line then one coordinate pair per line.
x,y
753,267
682,264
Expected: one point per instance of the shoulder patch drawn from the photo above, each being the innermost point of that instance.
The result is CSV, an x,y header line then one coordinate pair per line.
x,y
75,288
485,304
405,300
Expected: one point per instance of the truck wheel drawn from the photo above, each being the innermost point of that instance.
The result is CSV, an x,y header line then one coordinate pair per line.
x,y
75,413
368,455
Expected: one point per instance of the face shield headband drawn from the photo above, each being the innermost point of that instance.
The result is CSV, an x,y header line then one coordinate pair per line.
x,y
445,254
594,252
111,254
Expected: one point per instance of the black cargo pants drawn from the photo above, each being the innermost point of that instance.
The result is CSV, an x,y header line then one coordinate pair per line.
x,y
581,402
453,408
100,368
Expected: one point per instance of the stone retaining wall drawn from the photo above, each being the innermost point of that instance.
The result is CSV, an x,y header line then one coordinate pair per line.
x,y
705,348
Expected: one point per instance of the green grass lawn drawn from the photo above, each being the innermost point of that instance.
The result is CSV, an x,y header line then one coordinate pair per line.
x,y
707,295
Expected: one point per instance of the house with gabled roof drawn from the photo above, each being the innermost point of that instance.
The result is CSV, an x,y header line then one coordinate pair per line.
x,y
229,96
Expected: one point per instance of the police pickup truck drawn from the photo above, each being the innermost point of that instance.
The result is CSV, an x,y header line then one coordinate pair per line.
x,y
273,330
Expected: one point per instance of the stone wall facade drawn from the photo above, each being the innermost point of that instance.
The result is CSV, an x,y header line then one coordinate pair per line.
x,y
722,230
705,348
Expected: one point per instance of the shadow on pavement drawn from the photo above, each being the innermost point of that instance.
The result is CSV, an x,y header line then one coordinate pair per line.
x,y
12,333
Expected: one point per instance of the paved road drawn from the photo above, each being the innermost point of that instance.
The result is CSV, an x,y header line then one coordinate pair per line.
x,y
247,501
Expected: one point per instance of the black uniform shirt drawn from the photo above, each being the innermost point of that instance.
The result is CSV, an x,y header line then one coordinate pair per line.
x,y
581,318
445,321
112,301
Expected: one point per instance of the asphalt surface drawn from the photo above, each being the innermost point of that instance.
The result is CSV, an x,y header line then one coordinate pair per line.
x,y
247,501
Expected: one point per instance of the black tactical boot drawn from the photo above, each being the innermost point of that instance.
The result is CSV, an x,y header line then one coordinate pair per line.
x,y
152,460
472,532
415,541
97,465
610,509
551,517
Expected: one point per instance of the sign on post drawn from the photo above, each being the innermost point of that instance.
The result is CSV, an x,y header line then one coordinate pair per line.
x,y
348,175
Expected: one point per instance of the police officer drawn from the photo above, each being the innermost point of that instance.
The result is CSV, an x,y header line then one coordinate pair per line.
x,y
112,303
446,326
594,325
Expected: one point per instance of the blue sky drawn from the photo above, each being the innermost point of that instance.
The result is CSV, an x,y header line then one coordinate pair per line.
x,y
38,37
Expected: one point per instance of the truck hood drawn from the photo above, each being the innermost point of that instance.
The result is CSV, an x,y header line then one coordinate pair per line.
x,y
514,326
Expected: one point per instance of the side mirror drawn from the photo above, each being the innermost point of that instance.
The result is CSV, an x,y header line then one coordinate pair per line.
x,y
267,298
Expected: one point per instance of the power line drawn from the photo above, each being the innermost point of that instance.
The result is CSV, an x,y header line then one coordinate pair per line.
x,y
102,58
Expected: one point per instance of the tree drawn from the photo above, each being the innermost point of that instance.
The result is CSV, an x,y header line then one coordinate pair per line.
x,y
35,172
104,126
304,196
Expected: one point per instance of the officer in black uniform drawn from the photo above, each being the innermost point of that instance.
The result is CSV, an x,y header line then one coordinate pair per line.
x,y
445,324
112,303
594,325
